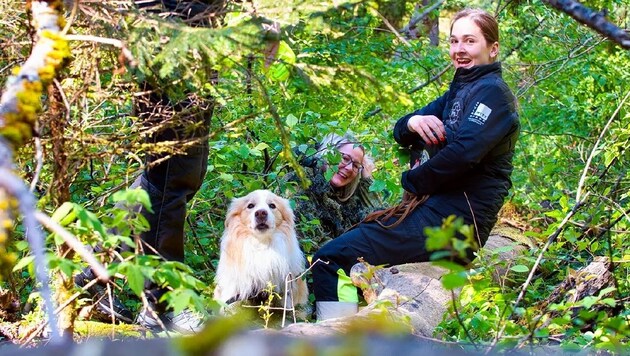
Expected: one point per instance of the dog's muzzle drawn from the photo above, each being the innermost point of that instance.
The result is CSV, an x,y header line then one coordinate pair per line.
x,y
261,220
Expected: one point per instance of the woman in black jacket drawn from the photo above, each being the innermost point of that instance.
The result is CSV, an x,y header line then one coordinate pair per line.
x,y
470,133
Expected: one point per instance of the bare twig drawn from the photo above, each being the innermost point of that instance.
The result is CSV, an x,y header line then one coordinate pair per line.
x,y
288,292
434,78
149,309
39,159
206,262
284,136
582,50
417,18
15,187
40,327
595,150
109,41
70,20
414,89
391,28
460,321
288,283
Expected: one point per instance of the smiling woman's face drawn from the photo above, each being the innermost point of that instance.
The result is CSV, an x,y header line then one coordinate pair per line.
x,y
349,166
468,45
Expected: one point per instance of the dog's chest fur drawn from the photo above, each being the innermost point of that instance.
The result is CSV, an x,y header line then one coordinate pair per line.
x,y
258,263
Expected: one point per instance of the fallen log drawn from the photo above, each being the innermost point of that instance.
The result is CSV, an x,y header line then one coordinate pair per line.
x,y
587,282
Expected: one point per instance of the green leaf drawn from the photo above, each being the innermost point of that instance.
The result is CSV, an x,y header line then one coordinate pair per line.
x,y
451,266
89,220
21,245
23,263
261,146
541,333
62,211
605,291
135,278
454,280
519,268
181,299
255,152
243,151
611,302
378,185
589,301
291,120
226,177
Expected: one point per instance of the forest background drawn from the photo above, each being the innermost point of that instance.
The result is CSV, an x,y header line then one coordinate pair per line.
x,y
356,65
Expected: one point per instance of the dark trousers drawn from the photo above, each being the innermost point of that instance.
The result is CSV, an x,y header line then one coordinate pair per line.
x,y
172,182
404,243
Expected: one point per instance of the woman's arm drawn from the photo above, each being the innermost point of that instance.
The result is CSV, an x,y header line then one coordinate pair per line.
x,y
406,137
489,118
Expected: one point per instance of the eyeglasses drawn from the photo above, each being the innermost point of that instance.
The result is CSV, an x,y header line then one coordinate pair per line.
x,y
346,160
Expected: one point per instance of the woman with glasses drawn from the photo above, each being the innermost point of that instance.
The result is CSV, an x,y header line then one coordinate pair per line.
x,y
337,203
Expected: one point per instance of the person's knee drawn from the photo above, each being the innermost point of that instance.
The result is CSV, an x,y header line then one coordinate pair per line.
x,y
327,253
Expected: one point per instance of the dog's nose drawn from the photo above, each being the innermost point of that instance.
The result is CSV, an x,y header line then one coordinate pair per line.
x,y
261,214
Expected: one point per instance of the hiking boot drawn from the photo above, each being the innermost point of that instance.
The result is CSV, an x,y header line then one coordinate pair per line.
x,y
102,310
150,319
185,322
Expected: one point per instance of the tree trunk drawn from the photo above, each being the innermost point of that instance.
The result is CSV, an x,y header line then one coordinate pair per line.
x,y
431,27
60,193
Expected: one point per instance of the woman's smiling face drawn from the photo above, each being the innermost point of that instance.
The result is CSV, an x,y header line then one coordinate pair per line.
x,y
349,167
468,45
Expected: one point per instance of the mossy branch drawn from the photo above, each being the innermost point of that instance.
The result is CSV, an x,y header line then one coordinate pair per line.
x,y
21,100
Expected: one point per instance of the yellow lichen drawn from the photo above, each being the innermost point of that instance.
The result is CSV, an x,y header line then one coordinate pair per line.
x,y
6,224
12,134
7,258
46,73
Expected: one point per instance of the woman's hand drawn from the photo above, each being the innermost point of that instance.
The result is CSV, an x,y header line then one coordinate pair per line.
x,y
429,127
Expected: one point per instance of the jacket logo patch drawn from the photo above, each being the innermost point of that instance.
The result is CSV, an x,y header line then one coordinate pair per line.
x,y
480,114
454,114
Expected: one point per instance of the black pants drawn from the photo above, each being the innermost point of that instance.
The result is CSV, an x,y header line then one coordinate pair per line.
x,y
171,185
404,243
172,182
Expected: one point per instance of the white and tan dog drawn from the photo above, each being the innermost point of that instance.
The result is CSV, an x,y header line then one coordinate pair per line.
x,y
259,245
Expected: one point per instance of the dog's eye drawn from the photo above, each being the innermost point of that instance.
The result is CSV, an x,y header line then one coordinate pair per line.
x,y
272,206
251,206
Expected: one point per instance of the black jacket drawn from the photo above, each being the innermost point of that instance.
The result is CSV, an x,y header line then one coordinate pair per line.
x,y
480,116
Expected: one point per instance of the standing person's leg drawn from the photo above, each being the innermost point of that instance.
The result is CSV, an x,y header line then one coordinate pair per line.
x,y
171,183
335,294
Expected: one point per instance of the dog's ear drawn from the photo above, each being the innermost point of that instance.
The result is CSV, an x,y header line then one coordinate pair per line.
x,y
285,210
235,208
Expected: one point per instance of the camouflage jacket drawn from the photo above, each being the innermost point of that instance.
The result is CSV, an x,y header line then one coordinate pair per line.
x,y
320,203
